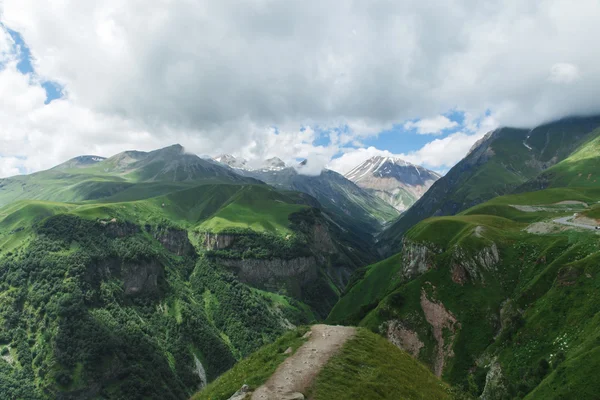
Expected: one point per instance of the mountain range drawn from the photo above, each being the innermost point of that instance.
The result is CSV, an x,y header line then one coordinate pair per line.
x,y
163,275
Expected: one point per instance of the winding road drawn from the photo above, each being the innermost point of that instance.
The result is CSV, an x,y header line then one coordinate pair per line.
x,y
567,221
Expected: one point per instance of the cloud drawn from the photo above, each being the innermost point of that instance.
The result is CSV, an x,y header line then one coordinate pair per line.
x,y
218,76
564,73
6,47
438,155
433,125
443,152
9,166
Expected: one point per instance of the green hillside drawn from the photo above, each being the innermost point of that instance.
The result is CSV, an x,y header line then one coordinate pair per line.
x,y
143,275
499,164
125,177
580,169
354,208
367,367
499,288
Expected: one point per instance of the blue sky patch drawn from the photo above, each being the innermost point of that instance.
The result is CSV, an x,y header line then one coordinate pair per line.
x,y
53,89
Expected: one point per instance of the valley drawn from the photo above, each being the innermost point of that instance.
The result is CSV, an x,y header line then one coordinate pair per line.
x,y
169,276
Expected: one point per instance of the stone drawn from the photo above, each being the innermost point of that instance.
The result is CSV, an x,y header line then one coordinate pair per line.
x,y
243,393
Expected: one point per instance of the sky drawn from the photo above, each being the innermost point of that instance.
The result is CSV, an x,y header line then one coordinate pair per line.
x,y
332,81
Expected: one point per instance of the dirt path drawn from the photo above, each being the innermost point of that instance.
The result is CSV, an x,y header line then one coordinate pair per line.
x,y
296,374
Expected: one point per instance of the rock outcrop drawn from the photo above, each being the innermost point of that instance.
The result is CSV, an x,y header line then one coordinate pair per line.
x,y
465,266
141,277
403,337
272,273
417,258
493,382
217,241
119,229
174,240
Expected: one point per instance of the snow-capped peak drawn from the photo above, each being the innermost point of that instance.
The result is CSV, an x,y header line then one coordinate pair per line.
x,y
228,159
271,164
393,179
380,165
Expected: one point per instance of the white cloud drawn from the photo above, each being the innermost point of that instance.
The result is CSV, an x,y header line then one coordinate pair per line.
x,y
6,47
9,166
564,73
443,152
216,76
435,125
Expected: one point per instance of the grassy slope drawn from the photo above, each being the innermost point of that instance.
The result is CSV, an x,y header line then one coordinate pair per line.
x,y
211,207
367,367
502,164
579,170
254,370
241,319
535,286
361,297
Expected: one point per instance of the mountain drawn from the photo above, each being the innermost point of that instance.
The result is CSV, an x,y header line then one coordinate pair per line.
x,y
489,299
498,164
270,164
231,161
149,274
126,176
393,180
355,208
81,161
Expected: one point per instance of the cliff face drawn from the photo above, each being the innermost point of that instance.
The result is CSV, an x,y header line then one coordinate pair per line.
x,y
417,258
306,265
141,277
470,267
174,240
428,330
215,241
273,274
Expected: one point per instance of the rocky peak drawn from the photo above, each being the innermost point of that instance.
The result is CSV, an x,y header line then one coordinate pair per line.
x,y
394,180
270,164
274,163
391,167
80,162
231,161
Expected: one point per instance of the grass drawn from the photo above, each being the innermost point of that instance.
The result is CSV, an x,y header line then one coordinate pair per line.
x,y
552,279
283,302
261,218
367,292
594,212
254,370
208,207
369,367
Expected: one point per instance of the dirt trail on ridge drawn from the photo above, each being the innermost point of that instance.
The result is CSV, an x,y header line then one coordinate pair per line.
x,y
296,374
